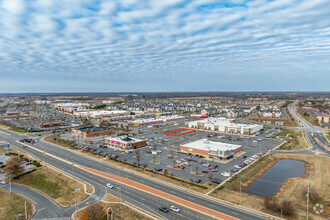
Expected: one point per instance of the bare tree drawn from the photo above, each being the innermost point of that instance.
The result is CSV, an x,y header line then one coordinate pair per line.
x,y
94,211
172,152
138,155
14,167
173,162
196,168
210,177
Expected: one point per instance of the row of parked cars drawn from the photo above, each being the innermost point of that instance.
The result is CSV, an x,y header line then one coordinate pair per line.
x,y
245,163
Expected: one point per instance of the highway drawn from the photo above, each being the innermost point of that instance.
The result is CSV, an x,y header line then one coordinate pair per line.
x,y
314,135
136,197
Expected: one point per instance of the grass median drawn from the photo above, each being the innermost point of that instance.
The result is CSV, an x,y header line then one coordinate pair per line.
x,y
119,210
12,204
295,140
61,188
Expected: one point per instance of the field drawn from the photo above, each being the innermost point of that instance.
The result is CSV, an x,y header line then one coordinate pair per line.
x,y
180,131
295,140
56,185
120,211
11,205
292,190
59,141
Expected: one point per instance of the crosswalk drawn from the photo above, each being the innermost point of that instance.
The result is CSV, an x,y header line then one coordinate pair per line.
x,y
97,198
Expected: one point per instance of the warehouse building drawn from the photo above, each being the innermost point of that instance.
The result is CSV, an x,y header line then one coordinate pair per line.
x,y
101,114
211,149
152,121
224,125
86,132
124,143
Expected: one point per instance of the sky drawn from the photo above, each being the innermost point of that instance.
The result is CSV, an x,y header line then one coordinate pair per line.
x,y
164,45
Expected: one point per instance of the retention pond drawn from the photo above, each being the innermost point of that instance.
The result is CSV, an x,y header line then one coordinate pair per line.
x,y
268,184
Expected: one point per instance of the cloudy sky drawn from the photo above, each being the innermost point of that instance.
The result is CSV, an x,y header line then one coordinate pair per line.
x,y
164,45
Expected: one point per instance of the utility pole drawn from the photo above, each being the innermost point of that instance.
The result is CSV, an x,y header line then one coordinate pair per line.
x,y
308,190
240,192
25,210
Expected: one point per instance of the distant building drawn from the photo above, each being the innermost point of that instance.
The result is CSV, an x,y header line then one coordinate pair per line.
x,y
211,149
51,124
152,121
86,132
225,126
125,143
323,119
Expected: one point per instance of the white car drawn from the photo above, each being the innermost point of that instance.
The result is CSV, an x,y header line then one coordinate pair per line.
x,y
109,185
175,209
4,182
225,174
237,167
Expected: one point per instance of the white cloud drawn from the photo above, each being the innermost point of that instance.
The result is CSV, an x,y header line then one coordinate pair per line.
x,y
162,39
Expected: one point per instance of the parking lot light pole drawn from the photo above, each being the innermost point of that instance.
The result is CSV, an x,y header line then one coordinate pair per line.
x,y
240,193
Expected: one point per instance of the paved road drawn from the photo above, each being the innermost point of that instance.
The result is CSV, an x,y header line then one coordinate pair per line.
x,y
45,208
314,135
140,199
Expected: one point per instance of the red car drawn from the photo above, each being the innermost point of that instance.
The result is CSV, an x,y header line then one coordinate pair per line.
x,y
242,164
180,166
211,168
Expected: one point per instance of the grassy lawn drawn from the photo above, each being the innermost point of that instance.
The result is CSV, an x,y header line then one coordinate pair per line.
x,y
59,141
54,184
327,135
291,190
119,211
11,205
294,138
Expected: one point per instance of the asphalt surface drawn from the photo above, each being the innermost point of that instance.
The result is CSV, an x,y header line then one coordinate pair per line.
x,y
138,198
314,135
45,208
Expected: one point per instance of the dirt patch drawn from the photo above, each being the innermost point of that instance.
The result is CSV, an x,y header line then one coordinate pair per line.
x,y
292,189
12,205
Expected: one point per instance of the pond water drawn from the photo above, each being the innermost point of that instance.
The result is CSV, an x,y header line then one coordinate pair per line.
x,y
267,184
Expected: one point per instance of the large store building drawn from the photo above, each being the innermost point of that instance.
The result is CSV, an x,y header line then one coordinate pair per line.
x,y
124,143
211,149
152,121
86,132
224,125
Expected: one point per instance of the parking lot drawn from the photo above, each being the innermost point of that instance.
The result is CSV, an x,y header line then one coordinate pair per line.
x,y
162,153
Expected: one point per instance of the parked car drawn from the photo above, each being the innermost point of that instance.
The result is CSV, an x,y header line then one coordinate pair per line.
x,y
158,170
180,166
225,174
216,181
237,167
163,209
205,171
234,170
4,182
214,170
244,156
198,181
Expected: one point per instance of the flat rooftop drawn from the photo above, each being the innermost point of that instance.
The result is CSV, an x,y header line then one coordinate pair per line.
x,y
124,139
93,129
204,144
